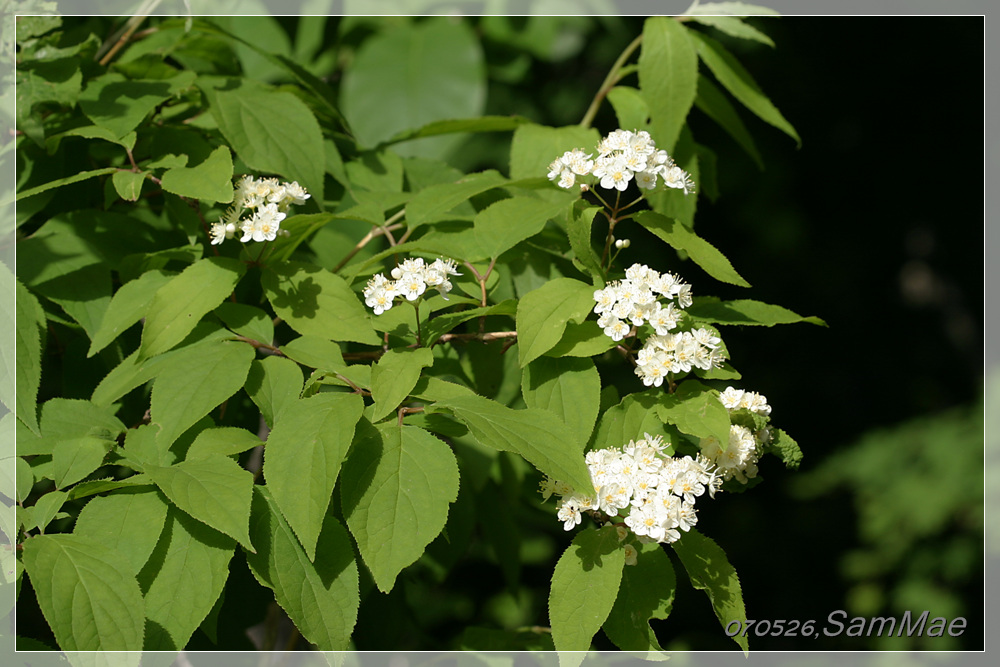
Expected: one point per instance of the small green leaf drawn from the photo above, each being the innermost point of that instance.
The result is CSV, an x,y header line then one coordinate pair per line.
x,y
647,592
744,312
248,321
68,418
668,77
128,184
503,225
315,352
394,376
129,522
210,181
785,448
542,315
433,203
703,253
734,26
584,587
396,489
716,106
129,305
696,410
303,456
225,440
45,509
710,571
29,320
629,420
578,230
534,147
569,388
273,384
75,458
630,106
213,489
178,305
87,593
585,339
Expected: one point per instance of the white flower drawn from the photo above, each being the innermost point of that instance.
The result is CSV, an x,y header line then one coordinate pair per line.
x,y
630,555
218,233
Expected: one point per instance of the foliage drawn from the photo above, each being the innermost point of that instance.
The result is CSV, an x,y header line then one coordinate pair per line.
x,y
218,410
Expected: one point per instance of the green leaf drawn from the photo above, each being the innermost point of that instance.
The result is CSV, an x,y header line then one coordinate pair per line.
x,y
69,418
194,384
703,253
569,388
315,352
479,124
129,305
631,419
734,78
87,489
225,440
734,26
128,184
211,180
129,522
75,178
534,147
503,225
315,302
395,490
93,132
443,78
716,106
321,598
394,376
584,587
668,77
442,324
273,384
87,593
744,312
696,410
539,436
120,105
710,571
29,319
213,489
45,509
75,458
586,339
248,321
303,456
183,580
785,448
647,592
84,295
542,315
272,132
578,230
178,305
433,203
630,106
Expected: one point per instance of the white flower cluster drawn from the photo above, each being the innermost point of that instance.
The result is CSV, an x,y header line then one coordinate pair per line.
x,y
268,200
653,493
739,459
622,156
411,279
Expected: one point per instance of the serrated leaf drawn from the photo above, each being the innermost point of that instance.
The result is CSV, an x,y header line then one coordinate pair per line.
x,y
578,231
433,203
568,388
178,305
225,440
668,77
785,448
542,315
710,571
321,598
585,339
210,180
314,352
128,184
394,376
534,147
120,105
129,522
91,488
701,252
182,580
213,489
87,593
315,302
585,585
396,489
129,305
273,384
45,509
696,410
647,592
303,457
75,458
444,323
28,319
734,78
714,104
629,420
539,436
68,418
744,312
194,384
734,26
248,321
503,225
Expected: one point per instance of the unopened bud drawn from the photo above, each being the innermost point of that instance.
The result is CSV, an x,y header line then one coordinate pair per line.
x,y
584,187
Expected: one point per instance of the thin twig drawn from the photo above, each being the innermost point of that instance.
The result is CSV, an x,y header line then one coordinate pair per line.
x,y
125,32
610,80
376,231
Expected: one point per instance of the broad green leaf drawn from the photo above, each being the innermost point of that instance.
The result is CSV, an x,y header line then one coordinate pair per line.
x,y
84,295
272,132
443,78
396,489
696,410
211,180
303,456
225,440
45,509
703,253
75,458
87,593
542,315
194,384
480,124
534,147
92,488
129,305
57,80
503,225
716,106
273,384
59,182
585,339
578,230
629,420
734,26
668,77
29,319
128,184
120,105
315,352
435,389
444,323
433,203
569,388
315,302
182,580
248,321
584,587
68,418
630,106
394,376
93,132
744,312
177,306
734,78
539,436
129,522
321,598
213,489
647,591
710,571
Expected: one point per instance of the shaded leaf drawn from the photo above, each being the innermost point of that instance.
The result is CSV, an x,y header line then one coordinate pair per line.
x,y
542,315
701,252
